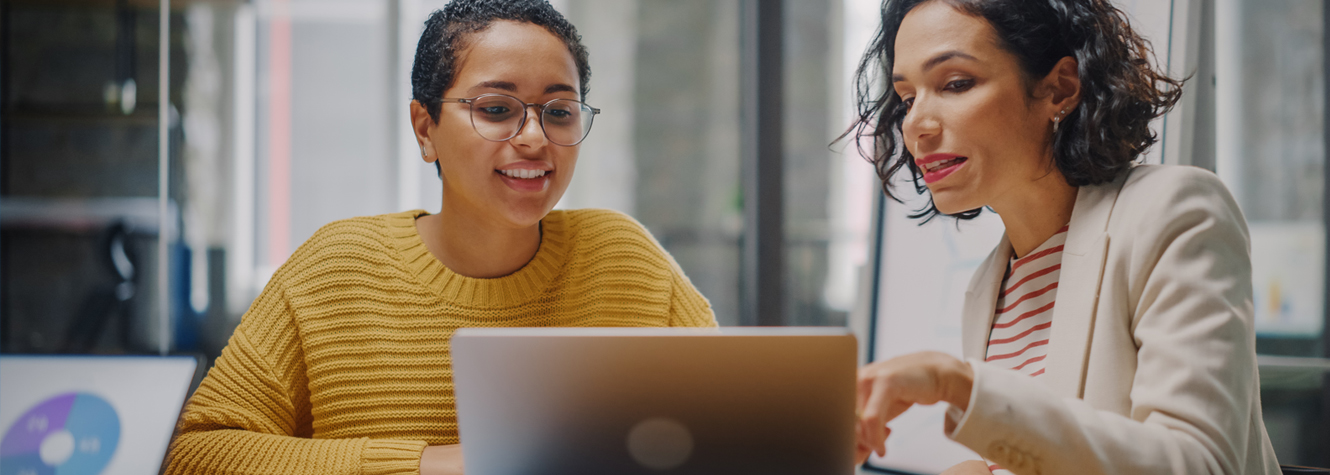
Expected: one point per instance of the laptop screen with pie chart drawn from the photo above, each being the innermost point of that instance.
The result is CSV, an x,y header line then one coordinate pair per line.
x,y
89,415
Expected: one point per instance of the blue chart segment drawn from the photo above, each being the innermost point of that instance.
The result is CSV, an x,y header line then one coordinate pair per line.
x,y
68,434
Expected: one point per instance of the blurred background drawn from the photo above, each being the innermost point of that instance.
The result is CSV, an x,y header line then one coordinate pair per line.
x,y
719,117
285,115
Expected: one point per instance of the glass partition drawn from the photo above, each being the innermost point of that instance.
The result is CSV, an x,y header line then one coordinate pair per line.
x,y
1270,95
79,216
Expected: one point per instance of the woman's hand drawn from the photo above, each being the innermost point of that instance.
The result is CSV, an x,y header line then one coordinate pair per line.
x,y
888,388
969,467
441,460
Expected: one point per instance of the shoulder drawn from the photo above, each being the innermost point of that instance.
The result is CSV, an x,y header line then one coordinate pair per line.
x,y
364,232
1169,196
354,253
1177,224
604,227
599,220
1174,177
1170,185
611,237
359,242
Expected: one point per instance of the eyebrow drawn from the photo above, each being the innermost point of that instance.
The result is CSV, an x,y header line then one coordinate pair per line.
x,y
500,85
936,60
559,88
510,87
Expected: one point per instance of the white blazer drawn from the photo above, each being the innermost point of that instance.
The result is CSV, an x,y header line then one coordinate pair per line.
x,y
1151,365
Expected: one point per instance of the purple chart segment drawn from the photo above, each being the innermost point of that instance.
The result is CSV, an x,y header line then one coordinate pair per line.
x,y
67,434
28,432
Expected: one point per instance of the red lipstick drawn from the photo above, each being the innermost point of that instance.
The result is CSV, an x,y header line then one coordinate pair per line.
x,y
938,165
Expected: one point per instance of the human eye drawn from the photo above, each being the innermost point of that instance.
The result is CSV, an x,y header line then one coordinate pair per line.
x,y
906,103
496,113
959,85
561,112
493,109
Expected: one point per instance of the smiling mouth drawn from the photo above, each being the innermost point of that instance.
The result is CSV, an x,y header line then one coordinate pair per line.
x,y
943,164
523,174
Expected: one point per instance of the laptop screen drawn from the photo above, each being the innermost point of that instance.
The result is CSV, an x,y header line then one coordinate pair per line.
x,y
89,414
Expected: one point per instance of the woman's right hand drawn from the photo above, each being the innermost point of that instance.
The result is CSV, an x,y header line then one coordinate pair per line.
x,y
888,388
441,460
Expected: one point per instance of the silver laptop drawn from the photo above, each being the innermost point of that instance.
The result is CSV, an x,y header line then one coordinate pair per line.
x,y
553,401
109,415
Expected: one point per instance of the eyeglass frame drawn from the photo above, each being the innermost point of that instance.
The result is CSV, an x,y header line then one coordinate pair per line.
x,y
469,101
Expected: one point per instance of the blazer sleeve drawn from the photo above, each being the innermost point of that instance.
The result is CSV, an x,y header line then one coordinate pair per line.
x,y
251,413
1192,408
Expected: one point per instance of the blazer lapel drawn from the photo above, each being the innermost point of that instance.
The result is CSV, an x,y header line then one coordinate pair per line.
x,y
981,301
1083,259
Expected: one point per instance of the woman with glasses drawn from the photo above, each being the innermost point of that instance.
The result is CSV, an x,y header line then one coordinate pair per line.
x,y
1111,330
342,364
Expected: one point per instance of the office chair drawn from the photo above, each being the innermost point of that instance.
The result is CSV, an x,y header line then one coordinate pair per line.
x,y
106,302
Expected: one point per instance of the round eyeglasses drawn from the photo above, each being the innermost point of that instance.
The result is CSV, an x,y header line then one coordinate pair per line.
x,y
499,117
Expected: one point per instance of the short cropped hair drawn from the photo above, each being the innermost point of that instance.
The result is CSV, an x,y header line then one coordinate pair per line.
x,y
448,30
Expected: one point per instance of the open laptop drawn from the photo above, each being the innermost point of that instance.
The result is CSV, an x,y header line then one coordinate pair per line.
x,y
553,401
107,415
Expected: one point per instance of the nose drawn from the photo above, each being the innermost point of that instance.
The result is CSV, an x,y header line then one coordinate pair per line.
x,y
530,133
920,124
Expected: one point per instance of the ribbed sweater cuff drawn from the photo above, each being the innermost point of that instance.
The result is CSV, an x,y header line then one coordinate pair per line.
x,y
391,457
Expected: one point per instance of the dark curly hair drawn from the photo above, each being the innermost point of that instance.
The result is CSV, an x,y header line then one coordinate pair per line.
x,y
1121,92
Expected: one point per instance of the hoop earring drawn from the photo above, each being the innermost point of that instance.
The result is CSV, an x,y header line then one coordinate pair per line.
x,y
1058,119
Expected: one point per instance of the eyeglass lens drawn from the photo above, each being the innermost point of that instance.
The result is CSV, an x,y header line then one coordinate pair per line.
x,y
500,117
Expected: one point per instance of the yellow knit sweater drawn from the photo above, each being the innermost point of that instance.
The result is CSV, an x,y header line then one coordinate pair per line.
x,y
342,365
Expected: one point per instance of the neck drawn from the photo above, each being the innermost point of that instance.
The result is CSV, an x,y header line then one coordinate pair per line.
x,y
473,246
1037,211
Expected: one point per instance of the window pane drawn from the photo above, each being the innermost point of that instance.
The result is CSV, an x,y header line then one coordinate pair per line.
x,y
78,188
819,290
1271,153
1270,150
665,149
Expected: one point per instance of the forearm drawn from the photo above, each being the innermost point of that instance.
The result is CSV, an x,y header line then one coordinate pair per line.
x,y
1016,422
251,414
228,451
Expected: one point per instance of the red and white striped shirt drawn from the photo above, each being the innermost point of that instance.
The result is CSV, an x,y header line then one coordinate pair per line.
x,y
1024,314
1024,320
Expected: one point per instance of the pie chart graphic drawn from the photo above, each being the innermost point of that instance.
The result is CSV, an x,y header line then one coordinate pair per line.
x,y
68,434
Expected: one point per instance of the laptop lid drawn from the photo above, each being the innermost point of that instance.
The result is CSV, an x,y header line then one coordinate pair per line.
x,y
107,415
648,401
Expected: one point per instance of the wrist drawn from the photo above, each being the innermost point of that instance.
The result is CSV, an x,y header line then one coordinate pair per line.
x,y
961,384
441,460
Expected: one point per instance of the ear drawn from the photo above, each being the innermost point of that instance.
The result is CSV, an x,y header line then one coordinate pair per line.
x,y
421,124
1061,88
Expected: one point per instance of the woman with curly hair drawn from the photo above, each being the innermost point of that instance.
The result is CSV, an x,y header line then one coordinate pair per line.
x,y
1110,331
343,365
